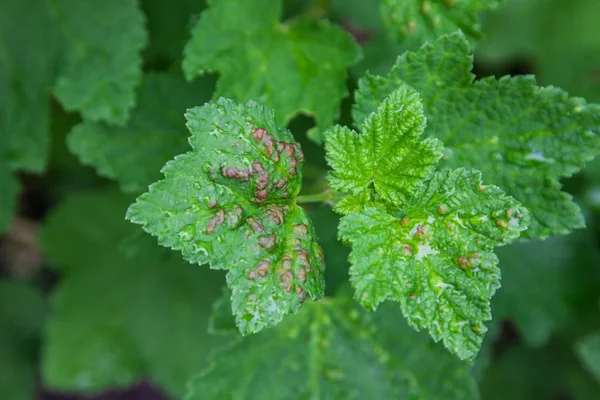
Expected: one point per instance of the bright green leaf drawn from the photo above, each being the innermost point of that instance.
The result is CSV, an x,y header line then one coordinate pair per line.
x,y
230,203
103,64
125,308
420,21
589,352
294,67
389,156
22,314
522,137
335,350
156,132
435,256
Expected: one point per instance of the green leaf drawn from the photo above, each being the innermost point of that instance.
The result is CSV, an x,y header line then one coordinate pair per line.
x,y
125,309
230,203
9,188
420,21
335,350
588,350
522,137
103,64
155,133
435,256
22,315
388,157
27,71
521,373
294,67
547,285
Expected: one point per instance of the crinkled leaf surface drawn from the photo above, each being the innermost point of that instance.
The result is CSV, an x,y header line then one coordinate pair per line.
x,y
156,132
21,319
125,308
389,156
27,70
423,21
230,203
435,256
589,352
294,67
522,137
335,350
9,188
103,63
547,285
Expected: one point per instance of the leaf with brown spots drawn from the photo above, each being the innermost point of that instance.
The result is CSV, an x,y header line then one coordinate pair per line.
x,y
230,202
435,256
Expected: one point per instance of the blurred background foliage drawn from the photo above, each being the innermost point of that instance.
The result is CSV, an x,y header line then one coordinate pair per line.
x,y
89,306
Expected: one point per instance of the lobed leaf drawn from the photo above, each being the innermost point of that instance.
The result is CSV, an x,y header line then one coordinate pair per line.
x,y
125,308
155,133
435,256
230,203
522,137
103,62
388,157
294,67
421,21
334,350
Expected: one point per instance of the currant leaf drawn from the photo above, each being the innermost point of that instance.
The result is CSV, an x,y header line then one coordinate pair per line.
x,y
522,137
335,350
294,67
435,256
230,203
388,156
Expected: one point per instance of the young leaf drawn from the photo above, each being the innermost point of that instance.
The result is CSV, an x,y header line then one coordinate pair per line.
x,y
27,71
230,203
123,300
589,352
423,21
294,67
388,157
103,64
522,137
335,350
155,133
435,255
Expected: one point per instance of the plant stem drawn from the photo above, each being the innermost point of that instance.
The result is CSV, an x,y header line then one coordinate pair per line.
x,y
316,198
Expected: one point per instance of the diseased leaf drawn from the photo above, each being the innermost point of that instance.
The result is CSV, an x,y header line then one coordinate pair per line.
x,y
125,308
156,132
388,156
294,67
522,137
335,350
420,21
588,350
230,203
103,64
435,256
27,70
546,285
21,319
